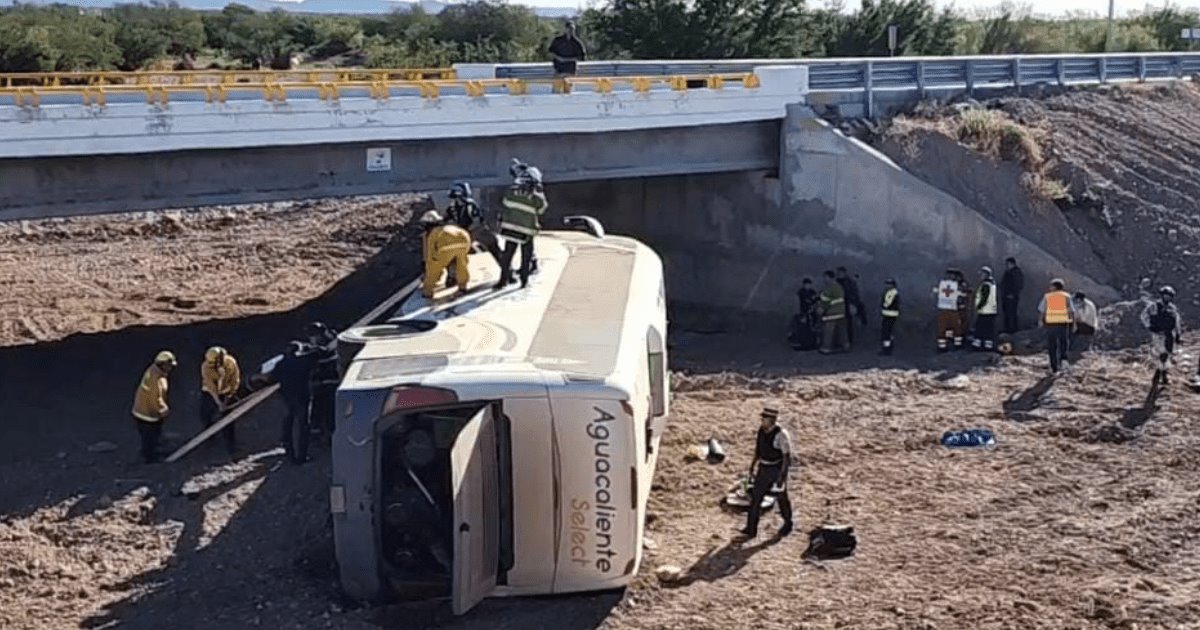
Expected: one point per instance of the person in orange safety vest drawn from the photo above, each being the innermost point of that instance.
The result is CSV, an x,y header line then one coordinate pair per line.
x,y
1056,313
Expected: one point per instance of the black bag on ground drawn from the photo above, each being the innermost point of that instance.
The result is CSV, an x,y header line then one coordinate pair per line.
x,y
831,541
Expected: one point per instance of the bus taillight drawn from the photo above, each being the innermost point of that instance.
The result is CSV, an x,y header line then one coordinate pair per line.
x,y
415,397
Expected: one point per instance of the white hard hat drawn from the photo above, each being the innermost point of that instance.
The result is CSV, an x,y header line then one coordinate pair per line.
x,y
431,217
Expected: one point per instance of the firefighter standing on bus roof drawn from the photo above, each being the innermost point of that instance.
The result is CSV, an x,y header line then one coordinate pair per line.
x,y
524,203
890,312
947,292
986,304
773,458
444,245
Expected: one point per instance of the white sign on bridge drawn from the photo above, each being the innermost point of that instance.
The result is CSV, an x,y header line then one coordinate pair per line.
x,y
1192,34
379,160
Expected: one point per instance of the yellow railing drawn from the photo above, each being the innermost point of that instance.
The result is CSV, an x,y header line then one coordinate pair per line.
x,y
216,77
378,87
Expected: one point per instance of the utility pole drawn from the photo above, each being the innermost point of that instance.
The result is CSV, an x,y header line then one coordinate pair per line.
x,y
1112,9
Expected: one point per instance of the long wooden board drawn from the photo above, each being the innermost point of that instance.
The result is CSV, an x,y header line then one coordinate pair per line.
x,y
255,399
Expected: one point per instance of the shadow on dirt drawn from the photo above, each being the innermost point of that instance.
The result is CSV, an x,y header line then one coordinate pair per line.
x,y
723,562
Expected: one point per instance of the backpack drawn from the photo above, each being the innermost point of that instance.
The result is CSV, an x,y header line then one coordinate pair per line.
x,y
831,541
1163,319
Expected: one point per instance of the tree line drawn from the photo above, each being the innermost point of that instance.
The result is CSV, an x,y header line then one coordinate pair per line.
x,y
164,36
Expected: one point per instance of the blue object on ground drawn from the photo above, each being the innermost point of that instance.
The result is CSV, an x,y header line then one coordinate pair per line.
x,y
970,437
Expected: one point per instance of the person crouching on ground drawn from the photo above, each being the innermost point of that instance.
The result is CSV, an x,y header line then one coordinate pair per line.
x,y
769,470
150,407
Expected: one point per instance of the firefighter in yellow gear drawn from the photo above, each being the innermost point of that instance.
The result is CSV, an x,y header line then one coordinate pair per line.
x,y
220,381
150,404
444,245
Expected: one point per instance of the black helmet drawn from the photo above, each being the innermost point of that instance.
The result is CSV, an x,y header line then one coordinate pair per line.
x,y
460,190
1167,291
316,329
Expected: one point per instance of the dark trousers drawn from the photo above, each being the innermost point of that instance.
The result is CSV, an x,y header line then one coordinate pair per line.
x,y
506,259
1058,337
324,399
151,434
887,334
210,413
1009,306
296,430
985,332
849,328
764,478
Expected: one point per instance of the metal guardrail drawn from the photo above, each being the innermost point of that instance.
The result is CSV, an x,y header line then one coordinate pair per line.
x,y
332,91
916,74
219,77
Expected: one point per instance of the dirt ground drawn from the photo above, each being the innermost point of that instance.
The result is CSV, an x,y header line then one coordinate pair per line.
x,y
1086,514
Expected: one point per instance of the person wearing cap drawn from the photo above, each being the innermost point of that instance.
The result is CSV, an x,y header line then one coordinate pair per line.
x,y
1057,314
220,380
150,407
294,373
567,50
1162,320
524,203
769,471
1087,322
444,245
986,308
947,292
325,375
890,312
1011,285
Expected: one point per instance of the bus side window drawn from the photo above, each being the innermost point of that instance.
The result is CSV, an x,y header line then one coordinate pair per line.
x,y
658,373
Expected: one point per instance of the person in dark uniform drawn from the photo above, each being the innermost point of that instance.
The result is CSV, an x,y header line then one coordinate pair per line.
x,y
773,458
1011,286
854,303
325,377
890,312
465,212
567,50
805,331
294,373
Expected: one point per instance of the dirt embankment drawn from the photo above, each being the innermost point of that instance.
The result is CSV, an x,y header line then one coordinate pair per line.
x,y
1106,178
103,273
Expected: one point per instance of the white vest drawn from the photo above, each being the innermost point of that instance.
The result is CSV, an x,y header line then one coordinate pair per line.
x,y
947,295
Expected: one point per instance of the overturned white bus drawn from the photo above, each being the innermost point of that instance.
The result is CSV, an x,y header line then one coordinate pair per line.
x,y
503,442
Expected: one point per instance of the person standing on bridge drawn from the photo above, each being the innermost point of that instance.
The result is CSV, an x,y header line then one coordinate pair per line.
x,y
220,380
524,204
150,407
566,50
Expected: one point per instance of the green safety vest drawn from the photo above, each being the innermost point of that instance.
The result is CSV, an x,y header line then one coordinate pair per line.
x,y
891,305
519,221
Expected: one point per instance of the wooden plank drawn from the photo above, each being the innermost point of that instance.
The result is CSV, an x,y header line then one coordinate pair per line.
x,y
255,399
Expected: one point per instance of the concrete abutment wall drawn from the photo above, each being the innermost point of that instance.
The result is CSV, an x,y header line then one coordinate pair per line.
x,y
744,240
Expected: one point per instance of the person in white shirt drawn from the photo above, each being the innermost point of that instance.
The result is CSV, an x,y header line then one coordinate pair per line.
x,y
1087,324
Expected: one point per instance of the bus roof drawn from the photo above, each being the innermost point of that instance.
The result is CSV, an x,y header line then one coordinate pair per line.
x,y
571,319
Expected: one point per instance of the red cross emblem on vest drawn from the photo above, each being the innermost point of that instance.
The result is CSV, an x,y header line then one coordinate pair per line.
x,y
948,291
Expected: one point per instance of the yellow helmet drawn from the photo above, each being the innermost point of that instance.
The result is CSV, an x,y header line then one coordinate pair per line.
x,y
214,354
166,356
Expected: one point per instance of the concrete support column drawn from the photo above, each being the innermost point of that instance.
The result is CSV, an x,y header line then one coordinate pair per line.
x,y
970,73
921,78
1104,69
869,89
1060,65
1016,74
